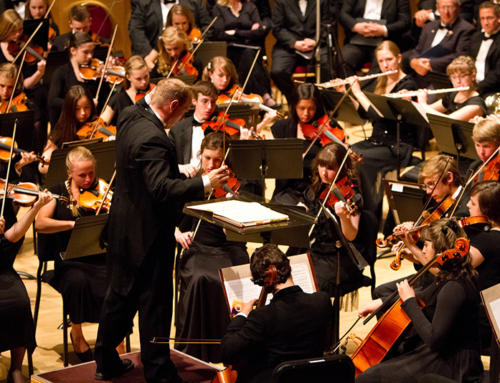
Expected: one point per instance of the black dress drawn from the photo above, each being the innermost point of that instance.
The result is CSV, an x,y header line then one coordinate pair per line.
x,y
202,311
16,320
451,106
242,57
444,338
81,281
379,151
117,103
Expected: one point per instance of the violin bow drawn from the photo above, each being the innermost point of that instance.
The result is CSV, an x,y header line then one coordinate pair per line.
x,y
94,129
15,84
106,63
6,190
108,12
106,193
181,65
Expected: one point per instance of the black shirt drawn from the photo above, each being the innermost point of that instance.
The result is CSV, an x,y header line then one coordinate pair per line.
x,y
452,106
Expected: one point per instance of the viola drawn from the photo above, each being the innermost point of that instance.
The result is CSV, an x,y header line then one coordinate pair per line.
x,y
394,322
491,171
96,128
195,35
18,104
52,33
224,123
25,193
326,132
5,145
92,70
477,223
33,52
142,93
184,66
231,187
92,199
342,191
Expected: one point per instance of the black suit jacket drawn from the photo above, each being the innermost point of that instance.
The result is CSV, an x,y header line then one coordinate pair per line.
x,y
146,22
293,326
148,198
397,13
181,136
492,65
456,41
290,26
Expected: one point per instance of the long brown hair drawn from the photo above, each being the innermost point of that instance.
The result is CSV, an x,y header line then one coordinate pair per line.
x,y
394,49
179,9
9,22
225,65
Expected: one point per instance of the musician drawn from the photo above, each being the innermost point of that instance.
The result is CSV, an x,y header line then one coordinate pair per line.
x,y
78,108
136,82
79,21
222,73
449,36
18,332
181,17
461,104
148,18
37,10
486,137
82,281
444,338
238,22
293,326
485,49
204,254
81,49
379,151
140,262
355,16
174,46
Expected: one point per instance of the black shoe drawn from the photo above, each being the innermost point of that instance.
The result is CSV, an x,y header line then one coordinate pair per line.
x,y
85,356
126,366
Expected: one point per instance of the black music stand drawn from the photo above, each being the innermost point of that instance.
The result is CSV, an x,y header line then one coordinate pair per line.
x,y
406,200
24,135
54,61
261,159
86,237
453,136
104,154
42,35
244,110
346,112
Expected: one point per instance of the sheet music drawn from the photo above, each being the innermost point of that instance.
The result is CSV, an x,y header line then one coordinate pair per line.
x,y
495,309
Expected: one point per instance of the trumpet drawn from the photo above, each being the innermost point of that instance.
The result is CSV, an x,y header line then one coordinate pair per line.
x,y
327,85
431,91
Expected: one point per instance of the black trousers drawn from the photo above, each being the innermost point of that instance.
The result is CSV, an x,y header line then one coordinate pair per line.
x,y
151,295
355,56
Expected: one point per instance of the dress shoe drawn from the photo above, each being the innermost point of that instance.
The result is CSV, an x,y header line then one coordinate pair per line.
x,y
126,365
85,356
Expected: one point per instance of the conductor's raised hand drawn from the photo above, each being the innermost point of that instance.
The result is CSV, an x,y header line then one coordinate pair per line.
x,y
218,177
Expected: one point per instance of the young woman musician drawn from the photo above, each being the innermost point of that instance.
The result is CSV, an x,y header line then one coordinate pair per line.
x,y
379,150
201,260
136,82
174,46
82,281
181,17
445,337
222,73
81,49
18,332
36,9
78,108
462,104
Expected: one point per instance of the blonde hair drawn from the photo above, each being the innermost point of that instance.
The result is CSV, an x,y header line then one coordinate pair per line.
x,y
171,89
462,65
486,131
438,165
78,154
394,49
133,63
225,65
170,35
223,2
9,70
9,22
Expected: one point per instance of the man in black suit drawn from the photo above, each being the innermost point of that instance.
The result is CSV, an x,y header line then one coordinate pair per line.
x,y
391,19
147,20
485,50
148,199
440,43
294,27
293,326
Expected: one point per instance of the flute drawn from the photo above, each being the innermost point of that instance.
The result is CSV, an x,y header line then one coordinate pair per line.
x,y
431,91
346,81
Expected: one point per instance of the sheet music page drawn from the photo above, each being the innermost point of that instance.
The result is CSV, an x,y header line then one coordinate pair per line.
x,y
495,309
421,110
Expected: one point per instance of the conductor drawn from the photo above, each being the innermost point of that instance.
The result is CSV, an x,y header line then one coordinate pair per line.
x,y
146,206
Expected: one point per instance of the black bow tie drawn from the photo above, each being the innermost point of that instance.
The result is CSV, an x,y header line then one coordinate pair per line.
x,y
447,26
487,38
168,2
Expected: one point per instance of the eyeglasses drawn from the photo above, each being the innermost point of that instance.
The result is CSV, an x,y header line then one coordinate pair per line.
x,y
430,185
460,76
450,8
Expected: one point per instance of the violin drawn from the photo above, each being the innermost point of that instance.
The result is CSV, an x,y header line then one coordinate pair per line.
x,y
5,145
18,104
231,187
477,223
142,93
342,191
491,170
184,66
25,193
96,128
223,123
33,52
91,71
326,132
195,35
92,199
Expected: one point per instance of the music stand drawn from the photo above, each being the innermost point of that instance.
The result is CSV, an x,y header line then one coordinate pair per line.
x,y
86,237
346,112
261,159
453,136
42,35
24,135
406,200
54,61
244,110
104,154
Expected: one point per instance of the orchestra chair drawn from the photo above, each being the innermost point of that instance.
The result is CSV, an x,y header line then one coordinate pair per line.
x,y
46,252
331,369
210,49
365,240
